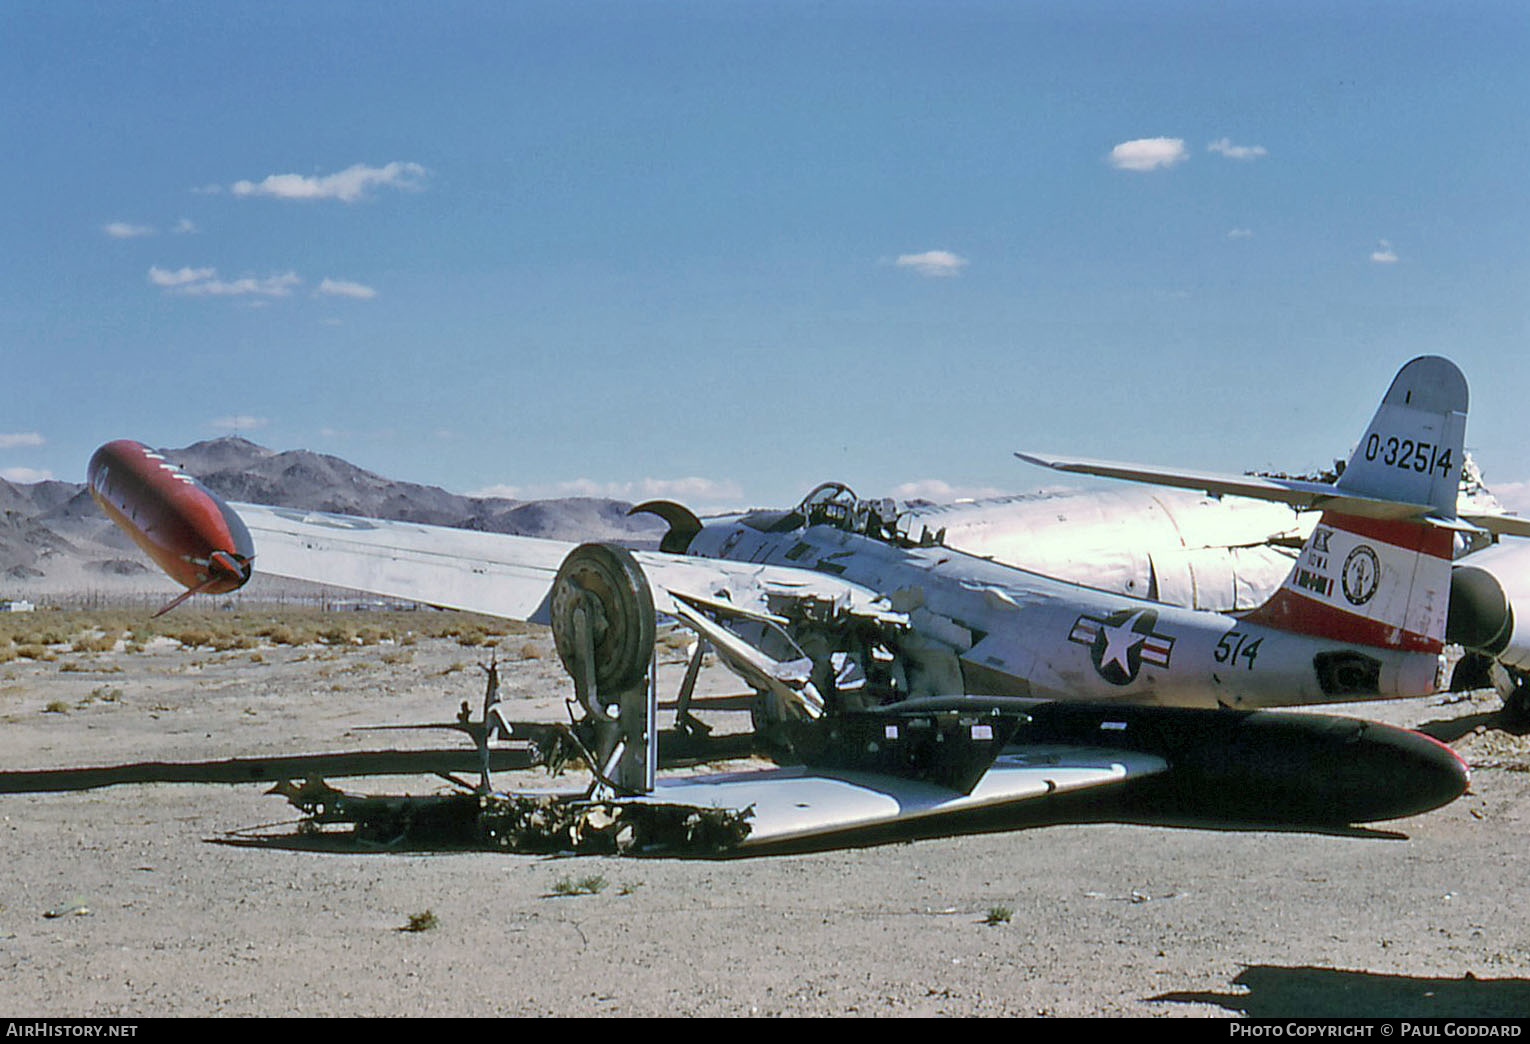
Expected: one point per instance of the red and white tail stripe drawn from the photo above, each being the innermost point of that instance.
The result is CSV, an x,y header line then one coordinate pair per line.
x,y
1376,582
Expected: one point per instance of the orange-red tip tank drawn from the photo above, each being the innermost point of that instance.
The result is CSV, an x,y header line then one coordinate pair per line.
x,y
180,523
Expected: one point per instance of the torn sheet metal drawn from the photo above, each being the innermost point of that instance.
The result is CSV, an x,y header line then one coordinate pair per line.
x,y
713,814
527,823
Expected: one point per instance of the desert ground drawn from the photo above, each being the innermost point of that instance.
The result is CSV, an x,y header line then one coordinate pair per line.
x,y
152,899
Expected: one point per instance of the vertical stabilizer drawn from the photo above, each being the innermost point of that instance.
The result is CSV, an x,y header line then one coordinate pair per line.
x,y
1376,580
1413,450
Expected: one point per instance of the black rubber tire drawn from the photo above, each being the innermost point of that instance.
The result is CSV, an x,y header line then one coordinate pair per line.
x,y
608,581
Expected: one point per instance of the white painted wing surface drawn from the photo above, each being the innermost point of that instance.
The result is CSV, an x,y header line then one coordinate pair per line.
x,y
794,803
489,573
1301,495
497,573
1498,524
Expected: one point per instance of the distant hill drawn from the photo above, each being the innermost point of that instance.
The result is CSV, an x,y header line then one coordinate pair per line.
x,y
52,533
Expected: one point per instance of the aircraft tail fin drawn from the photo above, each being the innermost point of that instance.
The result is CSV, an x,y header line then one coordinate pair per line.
x,y
1386,581
1413,450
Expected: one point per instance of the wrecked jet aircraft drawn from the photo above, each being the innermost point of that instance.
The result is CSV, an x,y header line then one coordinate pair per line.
x,y
1228,552
915,680
1199,550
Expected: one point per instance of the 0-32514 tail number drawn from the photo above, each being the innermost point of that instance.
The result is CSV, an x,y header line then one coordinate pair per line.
x,y
1408,454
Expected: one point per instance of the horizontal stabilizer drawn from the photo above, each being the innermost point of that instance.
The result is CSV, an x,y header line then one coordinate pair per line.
x,y
1303,496
1498,525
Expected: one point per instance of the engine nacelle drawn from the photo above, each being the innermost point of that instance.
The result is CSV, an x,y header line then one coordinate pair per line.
x,y
1484,594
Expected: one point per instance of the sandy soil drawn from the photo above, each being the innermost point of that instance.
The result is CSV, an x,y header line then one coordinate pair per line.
x,y
129,901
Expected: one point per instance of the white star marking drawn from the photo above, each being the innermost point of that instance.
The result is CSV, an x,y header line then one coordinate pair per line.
x,y
1119,641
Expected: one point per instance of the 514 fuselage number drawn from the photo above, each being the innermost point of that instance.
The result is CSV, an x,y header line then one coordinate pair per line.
x,y
1236,646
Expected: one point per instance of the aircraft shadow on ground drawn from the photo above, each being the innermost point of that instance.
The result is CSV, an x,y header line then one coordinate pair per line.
x,y
1059,810
1448,730
1272,991
1146,804
1140,809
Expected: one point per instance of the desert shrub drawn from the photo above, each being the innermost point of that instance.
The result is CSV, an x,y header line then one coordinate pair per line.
x,y
336,634
96,643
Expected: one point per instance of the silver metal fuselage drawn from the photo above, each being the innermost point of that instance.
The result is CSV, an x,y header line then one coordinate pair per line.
x,y
981,627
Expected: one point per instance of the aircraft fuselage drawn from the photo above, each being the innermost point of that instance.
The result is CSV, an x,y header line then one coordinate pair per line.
x,y
984,628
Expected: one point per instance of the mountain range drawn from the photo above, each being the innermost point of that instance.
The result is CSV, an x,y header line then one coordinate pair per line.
x,y
52,535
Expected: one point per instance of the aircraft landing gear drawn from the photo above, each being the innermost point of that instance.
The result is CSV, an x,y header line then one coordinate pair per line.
x,y
603,625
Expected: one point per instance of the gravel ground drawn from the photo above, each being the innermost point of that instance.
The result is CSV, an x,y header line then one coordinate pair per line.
x,y
130,900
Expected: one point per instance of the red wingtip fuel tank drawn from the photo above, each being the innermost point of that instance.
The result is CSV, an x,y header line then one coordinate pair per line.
x,y
180,523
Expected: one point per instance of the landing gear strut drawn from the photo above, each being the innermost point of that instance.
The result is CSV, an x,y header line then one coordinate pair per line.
x,y
603,625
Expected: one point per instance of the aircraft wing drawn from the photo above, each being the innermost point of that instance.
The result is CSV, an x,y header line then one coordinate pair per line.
x,y
457,568
1304,496
797,803
500,574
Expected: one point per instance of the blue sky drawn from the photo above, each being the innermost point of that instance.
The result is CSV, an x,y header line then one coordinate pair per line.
x,y
723,251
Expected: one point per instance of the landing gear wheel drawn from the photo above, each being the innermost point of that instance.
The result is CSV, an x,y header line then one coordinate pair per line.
x,y
607,584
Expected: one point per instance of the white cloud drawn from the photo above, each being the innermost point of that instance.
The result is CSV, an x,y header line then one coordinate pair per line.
x,y
942,492
933,263
204,282
345,288
239,422
180,277
10,440
25,474
701,494
1237,152
1514,496
500,490
1240,233
123,230
185,227
1384,254
271,286
1148,153
690,488
348,186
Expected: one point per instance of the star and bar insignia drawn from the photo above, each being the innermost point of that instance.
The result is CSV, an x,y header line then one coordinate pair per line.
x,y
1119,644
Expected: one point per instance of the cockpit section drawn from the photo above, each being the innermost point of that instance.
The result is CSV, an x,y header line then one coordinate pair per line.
x,y
836,505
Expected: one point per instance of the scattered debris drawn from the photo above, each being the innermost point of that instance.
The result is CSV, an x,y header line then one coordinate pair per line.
x,y
593,884
524,823
421,922
74,907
